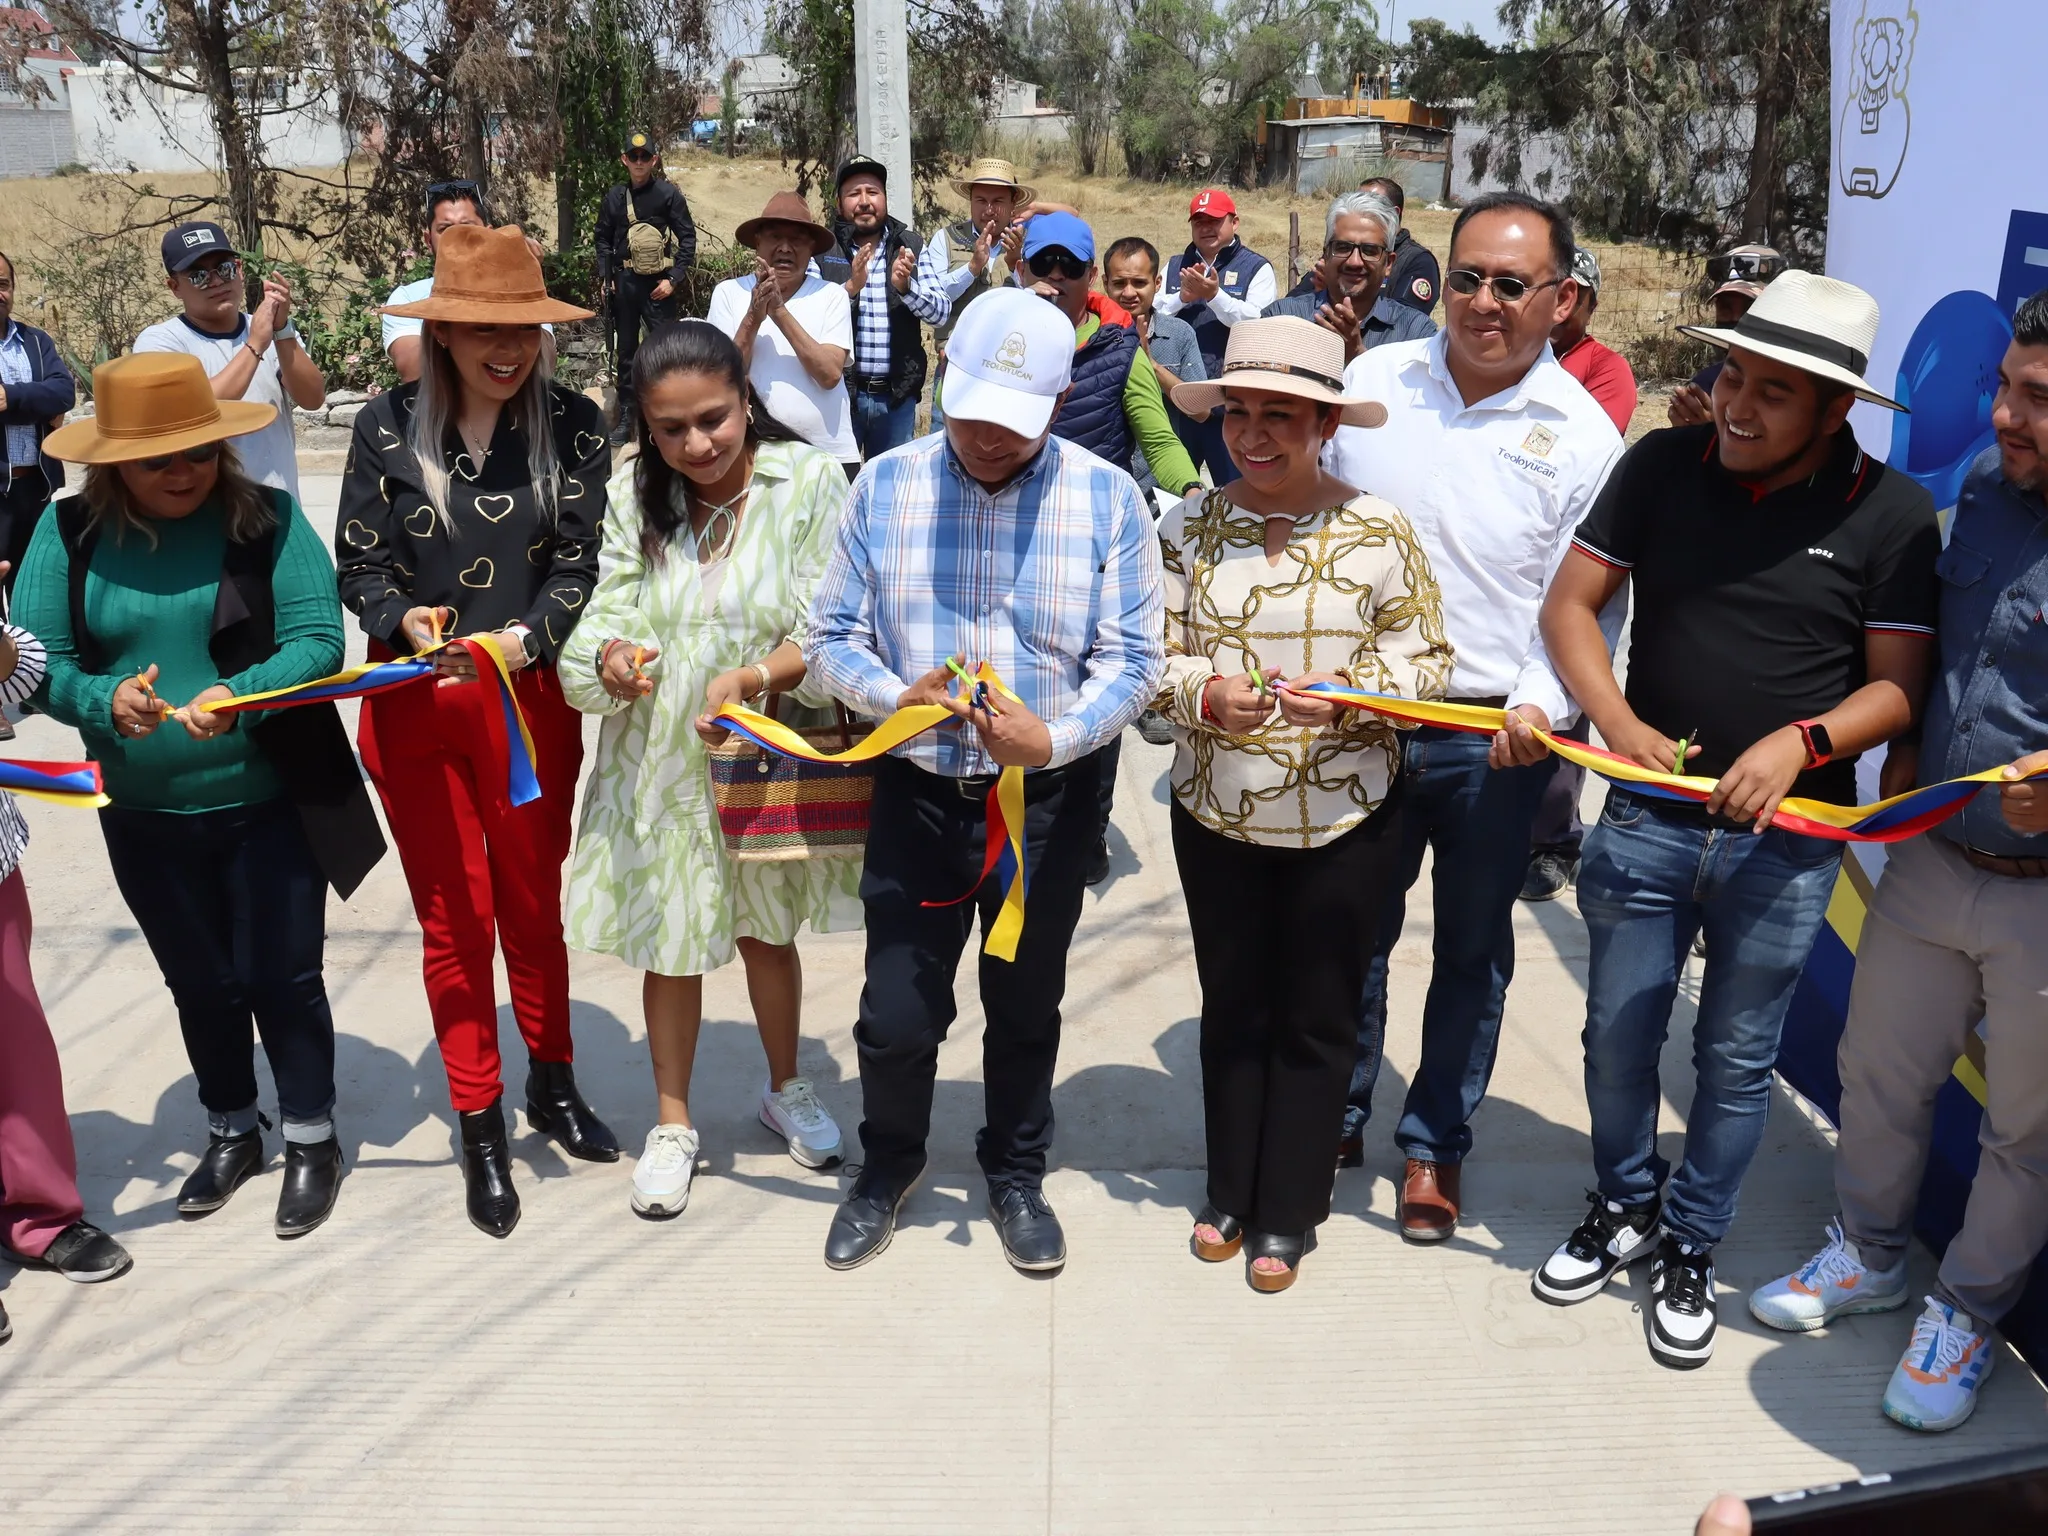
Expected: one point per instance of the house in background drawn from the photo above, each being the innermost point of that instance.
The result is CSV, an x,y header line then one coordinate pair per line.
x,y
35,111
122,122
1323,145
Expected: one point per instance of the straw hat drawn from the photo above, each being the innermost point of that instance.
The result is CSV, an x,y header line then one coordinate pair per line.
x,y
487,277
992,172
148,404
787,208
1286,356
1820,325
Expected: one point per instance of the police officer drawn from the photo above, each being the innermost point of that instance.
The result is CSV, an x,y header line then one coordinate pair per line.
x,y
1416,279
645,244
1216,282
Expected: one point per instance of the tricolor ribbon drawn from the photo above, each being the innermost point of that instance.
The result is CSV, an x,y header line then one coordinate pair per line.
x,y
1004,851
1888,821
59,783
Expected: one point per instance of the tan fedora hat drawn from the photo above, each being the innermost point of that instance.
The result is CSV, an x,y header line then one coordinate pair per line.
x,y
1286,356
487,277
787,208
989,171
1819,325
148,404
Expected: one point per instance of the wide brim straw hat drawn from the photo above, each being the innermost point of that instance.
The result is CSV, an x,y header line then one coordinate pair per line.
x,y
149,404
1284,356
487,277
1820,325
787,208
992,172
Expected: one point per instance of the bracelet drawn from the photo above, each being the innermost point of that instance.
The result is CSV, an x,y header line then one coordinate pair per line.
x,y
604,654
1209,714
760,670
250,348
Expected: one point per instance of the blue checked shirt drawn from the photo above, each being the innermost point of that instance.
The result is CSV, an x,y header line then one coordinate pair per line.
x,y
926,300
15,368
1054,581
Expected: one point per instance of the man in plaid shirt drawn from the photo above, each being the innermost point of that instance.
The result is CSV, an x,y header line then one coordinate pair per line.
x,y
992,541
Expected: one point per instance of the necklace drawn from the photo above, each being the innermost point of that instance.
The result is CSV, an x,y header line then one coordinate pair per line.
x,y
478,452
721,525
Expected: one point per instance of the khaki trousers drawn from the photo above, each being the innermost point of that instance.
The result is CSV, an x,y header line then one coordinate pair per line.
x,y
1945,944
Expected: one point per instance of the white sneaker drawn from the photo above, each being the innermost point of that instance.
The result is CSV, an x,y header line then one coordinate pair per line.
x,y
661,1179
1685,1317
1831,1284
1935,1386
798,1118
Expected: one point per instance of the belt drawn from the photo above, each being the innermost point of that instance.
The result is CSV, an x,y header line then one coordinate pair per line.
x,y
881,386
1482,700
975,786
21,471
2011,868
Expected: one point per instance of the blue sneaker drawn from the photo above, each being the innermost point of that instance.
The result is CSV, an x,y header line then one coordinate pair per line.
x,y
1936,1384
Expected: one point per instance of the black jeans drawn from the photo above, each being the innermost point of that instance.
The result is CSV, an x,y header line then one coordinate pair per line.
x,y
1282,939
926,840
636,312
22,500
235,911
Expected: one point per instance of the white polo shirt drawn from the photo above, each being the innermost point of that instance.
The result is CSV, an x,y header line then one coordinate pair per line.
x,y
822,417
1494,492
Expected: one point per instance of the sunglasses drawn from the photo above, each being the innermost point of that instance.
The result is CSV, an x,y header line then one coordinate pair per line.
x,y
204,278
1505,290
1344,249
1046,263
1744,266
638,155
205,453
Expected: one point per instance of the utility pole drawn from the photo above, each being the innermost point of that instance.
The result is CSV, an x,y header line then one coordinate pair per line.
x,y
881,70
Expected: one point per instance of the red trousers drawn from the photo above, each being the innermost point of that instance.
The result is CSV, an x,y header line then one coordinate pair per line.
x,y
38,1166
482,871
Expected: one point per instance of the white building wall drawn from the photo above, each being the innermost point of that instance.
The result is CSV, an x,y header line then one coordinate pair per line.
x,y
120,122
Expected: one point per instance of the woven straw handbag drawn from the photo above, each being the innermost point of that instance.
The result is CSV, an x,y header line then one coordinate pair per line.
x,y
772,807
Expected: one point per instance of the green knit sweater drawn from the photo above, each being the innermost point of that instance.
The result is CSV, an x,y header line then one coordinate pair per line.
x,y
153,604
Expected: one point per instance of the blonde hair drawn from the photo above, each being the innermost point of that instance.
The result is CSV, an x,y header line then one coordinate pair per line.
x,y
434,408
246,512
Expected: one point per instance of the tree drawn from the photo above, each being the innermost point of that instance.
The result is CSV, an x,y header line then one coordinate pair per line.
x,y
1075,46
729,111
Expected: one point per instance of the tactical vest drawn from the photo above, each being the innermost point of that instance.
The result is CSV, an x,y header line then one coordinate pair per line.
x,y
961,238
1092,415
1235,268
906,331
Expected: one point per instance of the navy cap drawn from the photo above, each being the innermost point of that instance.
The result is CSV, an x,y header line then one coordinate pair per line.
x,y
1064,230
862,165
187,243
641,144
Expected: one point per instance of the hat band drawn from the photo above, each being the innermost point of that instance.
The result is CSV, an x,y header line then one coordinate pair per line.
x,y
1251,365
489,295
205,418
1827,350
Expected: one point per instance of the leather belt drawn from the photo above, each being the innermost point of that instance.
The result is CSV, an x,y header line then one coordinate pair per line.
x,y
880,386
2011,868
976,786
1482,700
21,471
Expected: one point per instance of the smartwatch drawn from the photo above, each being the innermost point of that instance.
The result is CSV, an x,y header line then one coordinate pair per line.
x,y
1819,745
528,641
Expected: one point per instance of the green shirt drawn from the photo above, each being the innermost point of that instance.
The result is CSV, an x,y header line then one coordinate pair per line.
x,y
1145,409
153,604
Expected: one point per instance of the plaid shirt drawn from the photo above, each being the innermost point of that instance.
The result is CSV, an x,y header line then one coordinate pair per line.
x,y
1054,580
926,300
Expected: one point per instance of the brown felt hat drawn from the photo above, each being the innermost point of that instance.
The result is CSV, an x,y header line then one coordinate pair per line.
x,y
148,404
487,277
787,208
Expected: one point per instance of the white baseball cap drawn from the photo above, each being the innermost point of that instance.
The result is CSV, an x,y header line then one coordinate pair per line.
x,y
1008,361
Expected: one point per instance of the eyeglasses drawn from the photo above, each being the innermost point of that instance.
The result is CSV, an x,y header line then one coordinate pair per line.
x,y
639,154
204,278
1506,290
205,453
1344,249
1744,266
1045,263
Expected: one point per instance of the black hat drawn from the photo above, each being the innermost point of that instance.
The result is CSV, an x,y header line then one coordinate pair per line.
x,y
187,243
862,165
642,142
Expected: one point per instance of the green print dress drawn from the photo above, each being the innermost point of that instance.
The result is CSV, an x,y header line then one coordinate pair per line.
x,y
650,881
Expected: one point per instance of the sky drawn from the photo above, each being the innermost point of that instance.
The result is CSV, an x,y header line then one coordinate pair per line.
x,y
1477,14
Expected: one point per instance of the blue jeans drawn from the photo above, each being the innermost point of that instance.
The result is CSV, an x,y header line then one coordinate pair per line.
x,y
1477,820
879,426
1651,879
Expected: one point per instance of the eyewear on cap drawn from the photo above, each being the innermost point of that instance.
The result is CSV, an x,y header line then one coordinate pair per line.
x,y
205,453
445,191
1506,290
1343,250
204,278
1069,266
1744,267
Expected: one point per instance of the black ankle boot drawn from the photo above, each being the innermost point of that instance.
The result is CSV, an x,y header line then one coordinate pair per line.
x,y
312,1183
555,1108
487,1171
225,1166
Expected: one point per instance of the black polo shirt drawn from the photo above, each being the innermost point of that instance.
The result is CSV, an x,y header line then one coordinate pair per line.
x,y
1750,612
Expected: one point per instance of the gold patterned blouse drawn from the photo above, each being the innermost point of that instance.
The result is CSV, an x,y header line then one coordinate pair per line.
x,y
1352,593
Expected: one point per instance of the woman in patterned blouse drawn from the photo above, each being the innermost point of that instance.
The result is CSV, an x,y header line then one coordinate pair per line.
x,y
471,505
1281,801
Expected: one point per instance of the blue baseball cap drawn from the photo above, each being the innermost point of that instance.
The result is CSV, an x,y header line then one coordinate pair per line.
x,y
1071,234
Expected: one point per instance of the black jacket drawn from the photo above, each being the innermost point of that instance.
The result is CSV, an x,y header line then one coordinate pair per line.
x,y
906,331
660,203
50,392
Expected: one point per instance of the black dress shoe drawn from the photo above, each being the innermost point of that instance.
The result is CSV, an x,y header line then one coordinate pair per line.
x,y
312,1183
487,1171
555,1108
865,1220
1351,1150
225,1166
1098,862
1030,1233
81,1252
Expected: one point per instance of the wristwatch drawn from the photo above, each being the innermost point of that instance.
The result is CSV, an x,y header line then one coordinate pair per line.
x,y
1819,745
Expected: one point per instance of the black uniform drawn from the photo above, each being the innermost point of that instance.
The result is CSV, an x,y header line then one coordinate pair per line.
x,y
660,205
1415,280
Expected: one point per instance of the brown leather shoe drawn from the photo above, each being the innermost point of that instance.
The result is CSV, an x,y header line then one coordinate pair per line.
x,y
1429,1201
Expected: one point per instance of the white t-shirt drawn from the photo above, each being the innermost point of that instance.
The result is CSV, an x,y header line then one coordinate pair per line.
x,y
396,326
270,456
821,417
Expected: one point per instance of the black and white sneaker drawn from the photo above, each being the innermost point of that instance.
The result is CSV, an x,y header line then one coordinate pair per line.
x,y
1611,1238
1682,1319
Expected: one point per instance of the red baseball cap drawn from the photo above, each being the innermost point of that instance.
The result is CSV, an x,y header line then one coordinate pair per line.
x,y
1211,203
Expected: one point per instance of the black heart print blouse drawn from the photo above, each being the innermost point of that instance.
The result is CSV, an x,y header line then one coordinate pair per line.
x,y
502,561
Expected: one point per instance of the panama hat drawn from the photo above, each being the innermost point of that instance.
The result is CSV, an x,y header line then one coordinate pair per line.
x,y
148,404
1820,325
1285,356
787,208
487,277
992,172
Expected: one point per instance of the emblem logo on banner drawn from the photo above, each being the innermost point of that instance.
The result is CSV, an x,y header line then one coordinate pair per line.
x,y
1877,120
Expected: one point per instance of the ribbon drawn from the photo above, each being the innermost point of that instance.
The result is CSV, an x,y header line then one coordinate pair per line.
x,y
59,783
1003,854
1887,821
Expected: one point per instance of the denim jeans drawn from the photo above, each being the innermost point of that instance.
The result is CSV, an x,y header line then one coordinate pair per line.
x,y
1477,820
879,426
1651,880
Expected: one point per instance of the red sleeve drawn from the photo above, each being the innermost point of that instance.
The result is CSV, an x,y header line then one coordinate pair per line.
x,y
1612,382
